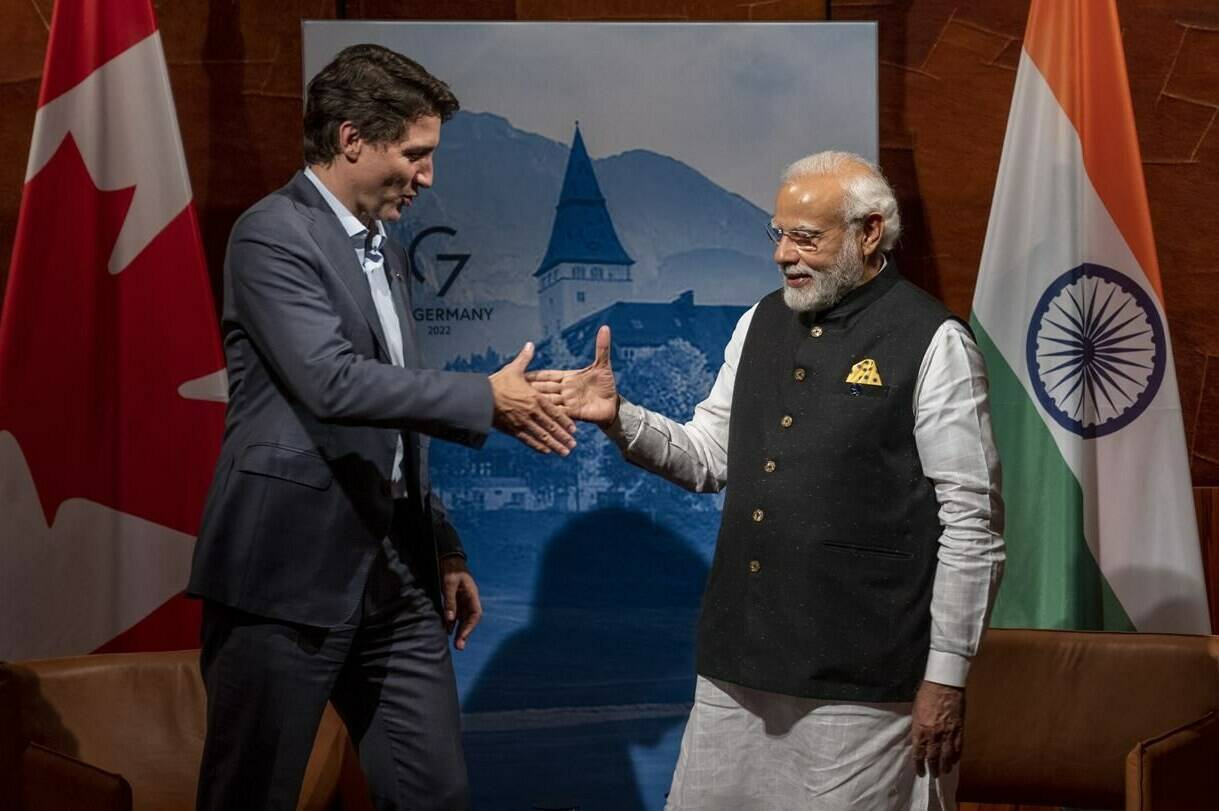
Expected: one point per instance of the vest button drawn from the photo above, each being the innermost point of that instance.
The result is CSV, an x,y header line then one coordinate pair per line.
x,y
816,332
786,422
755,566
758,515
799,374
769,467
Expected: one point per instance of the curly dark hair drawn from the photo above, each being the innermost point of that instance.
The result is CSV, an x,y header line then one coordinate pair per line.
x,y
378,90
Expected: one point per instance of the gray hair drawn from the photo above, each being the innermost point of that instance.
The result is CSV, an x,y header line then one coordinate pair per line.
x,y
862,194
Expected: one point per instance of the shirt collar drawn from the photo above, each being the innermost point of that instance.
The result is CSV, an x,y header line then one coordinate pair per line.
x,y
351,224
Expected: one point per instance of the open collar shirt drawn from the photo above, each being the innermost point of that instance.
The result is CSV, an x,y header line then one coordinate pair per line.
x,y
373,264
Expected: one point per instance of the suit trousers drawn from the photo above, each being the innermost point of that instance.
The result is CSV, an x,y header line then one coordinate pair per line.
x,y
387,671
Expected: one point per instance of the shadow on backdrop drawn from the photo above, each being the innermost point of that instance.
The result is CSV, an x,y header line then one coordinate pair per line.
x,y
606,663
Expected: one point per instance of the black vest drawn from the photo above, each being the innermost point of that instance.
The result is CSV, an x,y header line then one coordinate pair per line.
x,y
821,584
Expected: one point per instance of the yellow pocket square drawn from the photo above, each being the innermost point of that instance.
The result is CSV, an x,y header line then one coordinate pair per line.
x,y
865,373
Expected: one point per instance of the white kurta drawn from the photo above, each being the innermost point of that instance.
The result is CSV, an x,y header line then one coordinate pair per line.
x,y
748,749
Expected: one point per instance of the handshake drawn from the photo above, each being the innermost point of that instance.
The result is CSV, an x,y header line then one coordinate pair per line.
x,y
539,408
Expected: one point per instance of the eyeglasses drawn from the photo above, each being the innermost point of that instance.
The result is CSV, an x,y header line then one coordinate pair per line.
x,y
803,239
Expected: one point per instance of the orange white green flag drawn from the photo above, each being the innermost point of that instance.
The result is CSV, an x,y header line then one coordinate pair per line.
x,y
1069,312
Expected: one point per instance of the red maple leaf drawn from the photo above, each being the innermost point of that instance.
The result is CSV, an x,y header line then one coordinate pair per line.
x,y
90,363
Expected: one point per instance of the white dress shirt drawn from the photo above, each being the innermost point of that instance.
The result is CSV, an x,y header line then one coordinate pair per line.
x,y
952,432
373,264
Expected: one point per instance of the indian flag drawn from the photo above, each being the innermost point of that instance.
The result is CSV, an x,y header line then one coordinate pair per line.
x,y
1069,312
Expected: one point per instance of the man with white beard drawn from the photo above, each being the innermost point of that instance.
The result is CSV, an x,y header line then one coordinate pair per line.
x,y
861,541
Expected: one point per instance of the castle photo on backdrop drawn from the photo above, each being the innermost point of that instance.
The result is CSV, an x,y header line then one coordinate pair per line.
x,y
596,174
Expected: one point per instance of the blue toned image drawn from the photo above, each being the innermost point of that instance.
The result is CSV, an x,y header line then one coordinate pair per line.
x,y
614,174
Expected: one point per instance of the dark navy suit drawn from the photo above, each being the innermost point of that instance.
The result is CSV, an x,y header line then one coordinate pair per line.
x,y
318,584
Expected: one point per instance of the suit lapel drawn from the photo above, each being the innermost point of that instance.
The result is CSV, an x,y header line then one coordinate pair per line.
x,y
336,246
399,287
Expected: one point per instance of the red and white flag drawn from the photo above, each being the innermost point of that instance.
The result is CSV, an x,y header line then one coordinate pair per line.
x,y
111,374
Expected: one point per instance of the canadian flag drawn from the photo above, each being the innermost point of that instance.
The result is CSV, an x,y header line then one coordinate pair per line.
x,y
111,374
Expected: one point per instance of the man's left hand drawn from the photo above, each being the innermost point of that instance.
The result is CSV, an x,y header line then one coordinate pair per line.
x,y
462,607
938,728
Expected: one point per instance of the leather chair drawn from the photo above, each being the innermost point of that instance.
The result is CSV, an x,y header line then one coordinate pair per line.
x,y
125,731
1093,720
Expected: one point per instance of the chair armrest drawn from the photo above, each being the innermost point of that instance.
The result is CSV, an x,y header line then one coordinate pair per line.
x,y
333,778
51,781
1175,771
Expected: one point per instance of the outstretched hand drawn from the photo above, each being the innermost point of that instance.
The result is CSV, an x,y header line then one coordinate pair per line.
x,y
525,413
588,394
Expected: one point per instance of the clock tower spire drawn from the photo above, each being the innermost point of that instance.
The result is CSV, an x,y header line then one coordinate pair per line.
x,y
585,268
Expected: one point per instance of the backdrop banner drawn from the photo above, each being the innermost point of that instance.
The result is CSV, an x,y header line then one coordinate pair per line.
x,y
613,174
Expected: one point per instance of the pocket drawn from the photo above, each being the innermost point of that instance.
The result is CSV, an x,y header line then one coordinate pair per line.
x,y
868,550
289,464
863,391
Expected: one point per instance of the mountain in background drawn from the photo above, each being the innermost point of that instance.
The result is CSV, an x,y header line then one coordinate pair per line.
x,y
498,187
670,216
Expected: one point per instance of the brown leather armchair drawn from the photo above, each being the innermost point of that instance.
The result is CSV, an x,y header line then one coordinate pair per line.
x,y
125,731
1093,720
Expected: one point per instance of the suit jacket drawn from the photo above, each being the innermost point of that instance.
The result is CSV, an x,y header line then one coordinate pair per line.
x,y
300,502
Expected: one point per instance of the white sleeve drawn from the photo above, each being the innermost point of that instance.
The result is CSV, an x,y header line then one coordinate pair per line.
x,y
693,455
952,431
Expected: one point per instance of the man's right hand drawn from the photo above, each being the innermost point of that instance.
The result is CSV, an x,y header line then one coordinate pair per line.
x,y
526,414
588,394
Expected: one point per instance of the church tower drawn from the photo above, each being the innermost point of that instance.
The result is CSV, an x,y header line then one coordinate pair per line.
x,y
586,268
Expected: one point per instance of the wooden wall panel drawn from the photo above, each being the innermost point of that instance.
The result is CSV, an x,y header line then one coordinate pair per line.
x,y
1206,502
237,86
431,10
23,39
701,10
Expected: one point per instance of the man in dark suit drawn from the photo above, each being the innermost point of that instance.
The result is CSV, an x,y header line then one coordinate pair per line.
x,y
324,559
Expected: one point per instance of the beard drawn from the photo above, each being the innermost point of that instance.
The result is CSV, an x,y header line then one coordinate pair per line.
x,y
828,285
